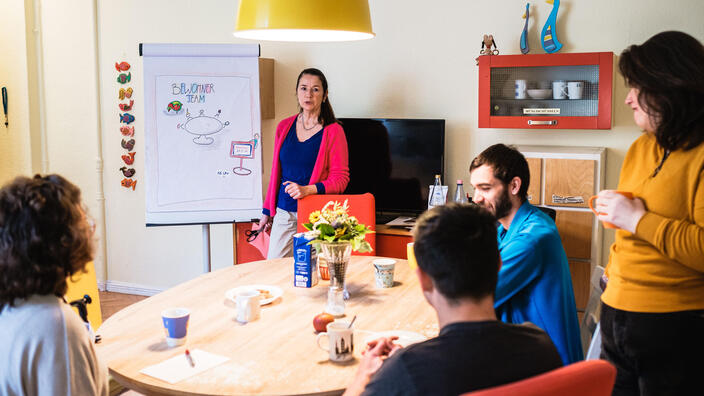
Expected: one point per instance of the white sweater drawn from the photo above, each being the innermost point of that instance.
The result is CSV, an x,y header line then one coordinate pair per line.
x,y
45,350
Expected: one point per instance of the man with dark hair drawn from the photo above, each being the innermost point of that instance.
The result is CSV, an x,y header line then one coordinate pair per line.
x,y
534,282
458,262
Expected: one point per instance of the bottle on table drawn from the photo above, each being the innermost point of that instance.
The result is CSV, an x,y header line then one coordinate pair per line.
x,y
460,196
437,198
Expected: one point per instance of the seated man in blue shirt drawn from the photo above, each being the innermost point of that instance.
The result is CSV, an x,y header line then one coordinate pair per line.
x,y
458,264
534,281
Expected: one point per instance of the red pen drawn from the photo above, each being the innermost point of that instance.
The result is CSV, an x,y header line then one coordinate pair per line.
x,y
190,359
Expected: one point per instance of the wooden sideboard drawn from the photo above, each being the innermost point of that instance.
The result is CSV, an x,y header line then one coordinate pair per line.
x,y
390,242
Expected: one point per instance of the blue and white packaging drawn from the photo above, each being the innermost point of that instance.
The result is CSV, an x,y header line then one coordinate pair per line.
x,y
305,262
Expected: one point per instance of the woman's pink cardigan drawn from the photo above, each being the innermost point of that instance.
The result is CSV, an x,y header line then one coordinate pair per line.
x,y
331,167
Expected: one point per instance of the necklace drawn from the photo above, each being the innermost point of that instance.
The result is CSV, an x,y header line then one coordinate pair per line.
x,y
300,116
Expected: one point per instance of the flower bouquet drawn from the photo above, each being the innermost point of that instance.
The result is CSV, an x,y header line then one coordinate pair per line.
x,y
335,234
333,224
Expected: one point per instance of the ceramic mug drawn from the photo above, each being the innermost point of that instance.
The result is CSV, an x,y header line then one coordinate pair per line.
x,y
626,194
248,306
559,89
340,341
384,272
574,89
521,87
175,325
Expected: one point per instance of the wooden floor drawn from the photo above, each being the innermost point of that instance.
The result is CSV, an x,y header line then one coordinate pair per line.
x,y
111,302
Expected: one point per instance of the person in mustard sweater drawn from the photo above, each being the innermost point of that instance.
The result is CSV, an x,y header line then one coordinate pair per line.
x,y
652,318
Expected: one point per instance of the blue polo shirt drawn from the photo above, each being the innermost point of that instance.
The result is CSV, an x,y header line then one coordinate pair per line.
x,y
534,281
297,161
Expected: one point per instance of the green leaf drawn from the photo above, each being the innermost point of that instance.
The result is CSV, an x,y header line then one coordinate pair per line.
x,y
308,226
326,229
365,247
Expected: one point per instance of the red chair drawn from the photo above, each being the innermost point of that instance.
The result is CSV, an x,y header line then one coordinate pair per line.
x,y
361,206
585,378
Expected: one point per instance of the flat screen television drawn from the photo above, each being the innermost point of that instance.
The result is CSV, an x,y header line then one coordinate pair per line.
x,y
395,160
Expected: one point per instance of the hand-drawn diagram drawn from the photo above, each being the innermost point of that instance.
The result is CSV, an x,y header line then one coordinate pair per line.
x,y
243,150
202,126
174,108
199,98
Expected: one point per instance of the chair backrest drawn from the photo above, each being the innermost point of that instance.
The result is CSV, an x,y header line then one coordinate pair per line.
x,y
584,378
81,284
549,211
362,206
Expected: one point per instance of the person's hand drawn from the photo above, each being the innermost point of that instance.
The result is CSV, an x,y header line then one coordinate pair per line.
x,y
372,358
618,210
297,191
264,223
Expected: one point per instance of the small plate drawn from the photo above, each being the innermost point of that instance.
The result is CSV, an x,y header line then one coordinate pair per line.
x,y
273,292
405,338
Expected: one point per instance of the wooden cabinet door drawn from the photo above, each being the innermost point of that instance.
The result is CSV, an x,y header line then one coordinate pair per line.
x,y
575,228
534,189
569,182
581,272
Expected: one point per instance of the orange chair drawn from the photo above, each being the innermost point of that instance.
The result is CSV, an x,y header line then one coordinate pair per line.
x,y
361,206
585,378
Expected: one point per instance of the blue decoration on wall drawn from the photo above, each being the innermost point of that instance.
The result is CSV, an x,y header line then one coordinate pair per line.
x,y
548,38
524,36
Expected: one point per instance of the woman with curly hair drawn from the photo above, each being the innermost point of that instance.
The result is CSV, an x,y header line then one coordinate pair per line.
x,y
45,237
652,317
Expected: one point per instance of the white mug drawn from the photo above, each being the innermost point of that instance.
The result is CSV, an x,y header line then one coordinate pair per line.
x,y
521,86
559,89
248,307
574,89
340,341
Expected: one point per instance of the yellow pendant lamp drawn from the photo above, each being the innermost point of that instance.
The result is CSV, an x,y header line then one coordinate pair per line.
x,y
304,20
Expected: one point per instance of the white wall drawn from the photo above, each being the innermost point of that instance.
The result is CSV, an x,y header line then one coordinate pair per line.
x,y
420,65
15,147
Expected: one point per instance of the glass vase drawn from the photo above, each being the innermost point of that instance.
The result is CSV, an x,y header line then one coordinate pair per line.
x,y
337,255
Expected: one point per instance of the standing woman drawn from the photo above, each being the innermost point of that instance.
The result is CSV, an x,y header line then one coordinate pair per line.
x,y
652,318
310,157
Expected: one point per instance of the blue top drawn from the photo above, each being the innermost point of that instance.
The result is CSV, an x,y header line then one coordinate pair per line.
x,y
297,161
534,281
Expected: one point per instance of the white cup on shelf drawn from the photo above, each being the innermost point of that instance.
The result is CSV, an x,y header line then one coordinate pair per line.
x,y
521,86
559,89
574,89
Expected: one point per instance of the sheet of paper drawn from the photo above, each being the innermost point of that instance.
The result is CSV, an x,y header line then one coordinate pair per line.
x,y
177,368
402,221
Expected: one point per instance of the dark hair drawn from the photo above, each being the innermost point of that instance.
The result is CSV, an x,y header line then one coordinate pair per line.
x,y
455,244
44,237
507,163
327,116
668,71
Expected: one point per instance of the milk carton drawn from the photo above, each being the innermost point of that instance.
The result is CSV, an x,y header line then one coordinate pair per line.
x,y
305,262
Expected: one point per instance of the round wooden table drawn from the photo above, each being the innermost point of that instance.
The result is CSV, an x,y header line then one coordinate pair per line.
x,y
276,354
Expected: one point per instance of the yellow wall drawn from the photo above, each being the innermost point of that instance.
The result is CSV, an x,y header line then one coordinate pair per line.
x,y
420,65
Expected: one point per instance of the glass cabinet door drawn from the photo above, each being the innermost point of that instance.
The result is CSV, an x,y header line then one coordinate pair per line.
x,y
522,91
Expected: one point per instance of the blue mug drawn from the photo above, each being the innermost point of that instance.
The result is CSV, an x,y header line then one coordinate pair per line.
x,y
175,325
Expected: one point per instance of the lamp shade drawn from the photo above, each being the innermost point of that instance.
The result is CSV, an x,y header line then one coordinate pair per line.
x,y
304,20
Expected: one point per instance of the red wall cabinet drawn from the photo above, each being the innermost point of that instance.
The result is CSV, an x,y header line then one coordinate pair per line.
x,y
589,108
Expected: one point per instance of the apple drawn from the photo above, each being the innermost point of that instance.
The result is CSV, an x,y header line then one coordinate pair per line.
x,y
321,321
